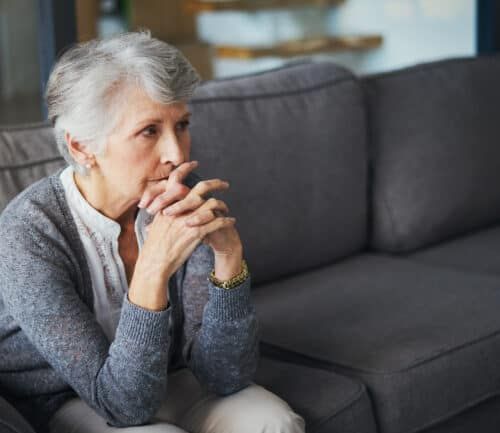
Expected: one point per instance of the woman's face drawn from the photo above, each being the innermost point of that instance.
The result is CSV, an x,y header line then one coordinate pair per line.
x,y
149,141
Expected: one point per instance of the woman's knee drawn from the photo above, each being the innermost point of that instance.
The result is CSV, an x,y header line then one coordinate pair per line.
x,y
271,413
77,417
253,409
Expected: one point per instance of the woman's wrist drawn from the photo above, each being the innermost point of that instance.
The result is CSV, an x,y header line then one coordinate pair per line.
x,y
228,266
148,290
152,301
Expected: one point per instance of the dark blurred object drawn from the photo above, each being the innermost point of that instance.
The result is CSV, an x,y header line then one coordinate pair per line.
x,y
112,19
488,26
167,20
87,14
201,55
19,64
170,22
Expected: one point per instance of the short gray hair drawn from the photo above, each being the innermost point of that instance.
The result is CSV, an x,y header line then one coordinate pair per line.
x,y
84,86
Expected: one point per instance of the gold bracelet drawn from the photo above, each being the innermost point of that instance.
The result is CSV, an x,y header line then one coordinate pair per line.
x,y
233,282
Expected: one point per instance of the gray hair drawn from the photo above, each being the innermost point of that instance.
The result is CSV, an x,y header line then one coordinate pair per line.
x,y
84,86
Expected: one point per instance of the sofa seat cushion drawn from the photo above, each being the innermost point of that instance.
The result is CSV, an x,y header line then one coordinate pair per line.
x,y
481,418
329,403
425,340
11,421
475,252
27,153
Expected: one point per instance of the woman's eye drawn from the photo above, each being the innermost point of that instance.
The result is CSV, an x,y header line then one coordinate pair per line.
x,y
150,131
182,126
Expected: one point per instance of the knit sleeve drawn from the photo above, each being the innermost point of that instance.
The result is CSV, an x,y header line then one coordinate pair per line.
x,y
124,381
220,331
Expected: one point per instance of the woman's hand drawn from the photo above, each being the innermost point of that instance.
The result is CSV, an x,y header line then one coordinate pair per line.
x,y
169,243
175,233
225,241
161,194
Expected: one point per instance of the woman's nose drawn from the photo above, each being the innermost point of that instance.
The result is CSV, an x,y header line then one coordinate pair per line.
x,y
171,151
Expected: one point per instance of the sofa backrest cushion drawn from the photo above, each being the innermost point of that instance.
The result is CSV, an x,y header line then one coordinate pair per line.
x,y
27,153
435,149
292,144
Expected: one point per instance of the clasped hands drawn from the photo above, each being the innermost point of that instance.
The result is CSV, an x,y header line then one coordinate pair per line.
x,y
184,216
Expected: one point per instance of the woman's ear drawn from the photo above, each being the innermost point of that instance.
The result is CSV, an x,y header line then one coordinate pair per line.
x,y
78,151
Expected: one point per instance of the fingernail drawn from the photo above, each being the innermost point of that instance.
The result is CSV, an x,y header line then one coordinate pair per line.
x,y
168,211
150,211
141,203
194,162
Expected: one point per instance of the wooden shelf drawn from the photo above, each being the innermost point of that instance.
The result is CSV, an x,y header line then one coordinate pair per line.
x,y
196,6
301,47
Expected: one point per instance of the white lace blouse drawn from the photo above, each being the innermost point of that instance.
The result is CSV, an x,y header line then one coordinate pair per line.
x,y
99,235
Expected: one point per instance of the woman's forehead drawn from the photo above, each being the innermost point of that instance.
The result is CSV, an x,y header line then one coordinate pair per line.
x,y
138,106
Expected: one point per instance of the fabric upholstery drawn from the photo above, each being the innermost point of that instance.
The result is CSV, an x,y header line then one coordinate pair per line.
x,y
329,403
11,421
434,142
478,252
292,144
481,418
407,330
27,153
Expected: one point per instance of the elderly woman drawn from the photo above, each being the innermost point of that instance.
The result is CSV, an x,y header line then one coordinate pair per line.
x,y
124,296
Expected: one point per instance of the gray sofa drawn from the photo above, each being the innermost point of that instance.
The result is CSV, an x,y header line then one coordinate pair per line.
x,y
369,210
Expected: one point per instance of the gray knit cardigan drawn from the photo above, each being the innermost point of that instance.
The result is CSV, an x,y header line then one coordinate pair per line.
x,y
52,348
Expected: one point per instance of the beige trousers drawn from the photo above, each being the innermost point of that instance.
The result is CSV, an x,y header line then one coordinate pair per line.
x,y
191,410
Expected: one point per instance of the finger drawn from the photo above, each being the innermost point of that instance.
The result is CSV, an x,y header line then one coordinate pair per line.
x,y
196,203
209,211
151,192
161,201
218,207
190,202
155,190
215,225
195,197
205,186
201,218
175,177
181,172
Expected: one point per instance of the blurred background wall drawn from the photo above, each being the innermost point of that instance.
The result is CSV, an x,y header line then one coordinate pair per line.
x,y
412,30
19,63
367,36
